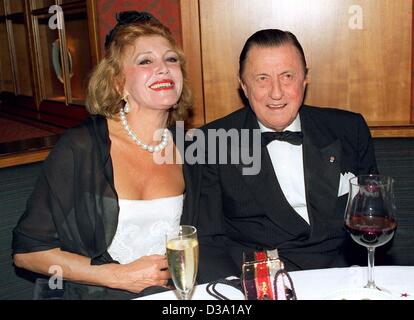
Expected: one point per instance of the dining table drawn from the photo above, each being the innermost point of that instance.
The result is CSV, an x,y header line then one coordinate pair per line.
x,y
395,282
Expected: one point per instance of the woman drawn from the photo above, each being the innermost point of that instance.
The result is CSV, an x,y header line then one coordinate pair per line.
x,y
102,205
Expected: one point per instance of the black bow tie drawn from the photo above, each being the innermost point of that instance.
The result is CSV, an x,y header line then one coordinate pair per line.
x,y
294,138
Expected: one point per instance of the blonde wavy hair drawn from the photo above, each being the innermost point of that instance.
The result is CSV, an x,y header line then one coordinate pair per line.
x,y
104,92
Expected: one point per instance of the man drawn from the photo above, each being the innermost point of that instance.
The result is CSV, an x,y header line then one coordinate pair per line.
x,y
297,200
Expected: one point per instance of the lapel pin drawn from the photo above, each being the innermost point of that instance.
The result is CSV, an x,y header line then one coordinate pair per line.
x,y
332,159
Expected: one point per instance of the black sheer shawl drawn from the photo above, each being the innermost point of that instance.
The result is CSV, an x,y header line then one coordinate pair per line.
x,y
74,205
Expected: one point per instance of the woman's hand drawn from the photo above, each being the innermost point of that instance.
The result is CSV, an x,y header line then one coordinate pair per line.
x,y
142,273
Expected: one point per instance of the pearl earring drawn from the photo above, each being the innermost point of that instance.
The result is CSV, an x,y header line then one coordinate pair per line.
x,y
127,108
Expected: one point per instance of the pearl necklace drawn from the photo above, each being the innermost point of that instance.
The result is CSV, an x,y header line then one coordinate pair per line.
x,y
133,136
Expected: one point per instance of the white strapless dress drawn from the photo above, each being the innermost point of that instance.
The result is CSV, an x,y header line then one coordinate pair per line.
x,y
142,226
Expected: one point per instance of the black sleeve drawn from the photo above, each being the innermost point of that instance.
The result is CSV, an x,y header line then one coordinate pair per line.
x,y
215,259
48,203
366,153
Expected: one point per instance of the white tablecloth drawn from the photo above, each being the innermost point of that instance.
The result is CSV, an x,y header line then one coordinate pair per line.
x,y
323,283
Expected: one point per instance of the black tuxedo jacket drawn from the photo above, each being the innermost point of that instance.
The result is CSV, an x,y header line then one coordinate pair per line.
x,y
237,213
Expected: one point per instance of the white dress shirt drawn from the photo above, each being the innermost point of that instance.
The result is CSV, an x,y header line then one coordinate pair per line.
x,y
287,161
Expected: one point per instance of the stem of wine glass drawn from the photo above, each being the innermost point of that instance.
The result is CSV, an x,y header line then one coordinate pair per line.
x,y
185,295
371,257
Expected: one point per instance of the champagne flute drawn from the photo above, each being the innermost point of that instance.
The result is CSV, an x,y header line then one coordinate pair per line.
x,y
370,215
182,255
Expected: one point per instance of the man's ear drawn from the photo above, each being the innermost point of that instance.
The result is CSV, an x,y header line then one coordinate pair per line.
x,y
244,88
307,79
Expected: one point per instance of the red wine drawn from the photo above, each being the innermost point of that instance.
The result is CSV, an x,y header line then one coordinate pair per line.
x,y
371,231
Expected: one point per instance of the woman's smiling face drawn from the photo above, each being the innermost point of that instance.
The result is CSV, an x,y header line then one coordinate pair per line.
x,y
153,76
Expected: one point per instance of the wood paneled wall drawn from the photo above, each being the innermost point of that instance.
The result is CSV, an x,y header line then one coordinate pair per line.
x,y
192,48
358,52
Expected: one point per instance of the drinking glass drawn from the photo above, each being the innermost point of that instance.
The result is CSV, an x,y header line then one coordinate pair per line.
x,y
370,215
182,255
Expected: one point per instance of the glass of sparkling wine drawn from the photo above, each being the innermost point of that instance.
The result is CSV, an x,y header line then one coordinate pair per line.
x,y
182,255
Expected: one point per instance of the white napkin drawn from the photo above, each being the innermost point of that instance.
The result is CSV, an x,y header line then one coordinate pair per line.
x,y
344,183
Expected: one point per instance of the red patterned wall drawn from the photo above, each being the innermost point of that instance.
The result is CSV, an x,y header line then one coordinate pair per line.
x,y
167,11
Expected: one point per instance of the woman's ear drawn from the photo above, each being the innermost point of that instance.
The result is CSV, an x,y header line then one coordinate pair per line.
x,y
119,83
118,88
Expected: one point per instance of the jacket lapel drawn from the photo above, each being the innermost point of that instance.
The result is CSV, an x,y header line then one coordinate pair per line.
x,y
322,158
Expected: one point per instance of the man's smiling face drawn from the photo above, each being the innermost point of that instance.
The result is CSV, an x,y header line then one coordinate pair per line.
x,y
274,81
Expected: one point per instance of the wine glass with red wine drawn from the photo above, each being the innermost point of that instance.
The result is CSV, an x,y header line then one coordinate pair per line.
x,y
370,215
